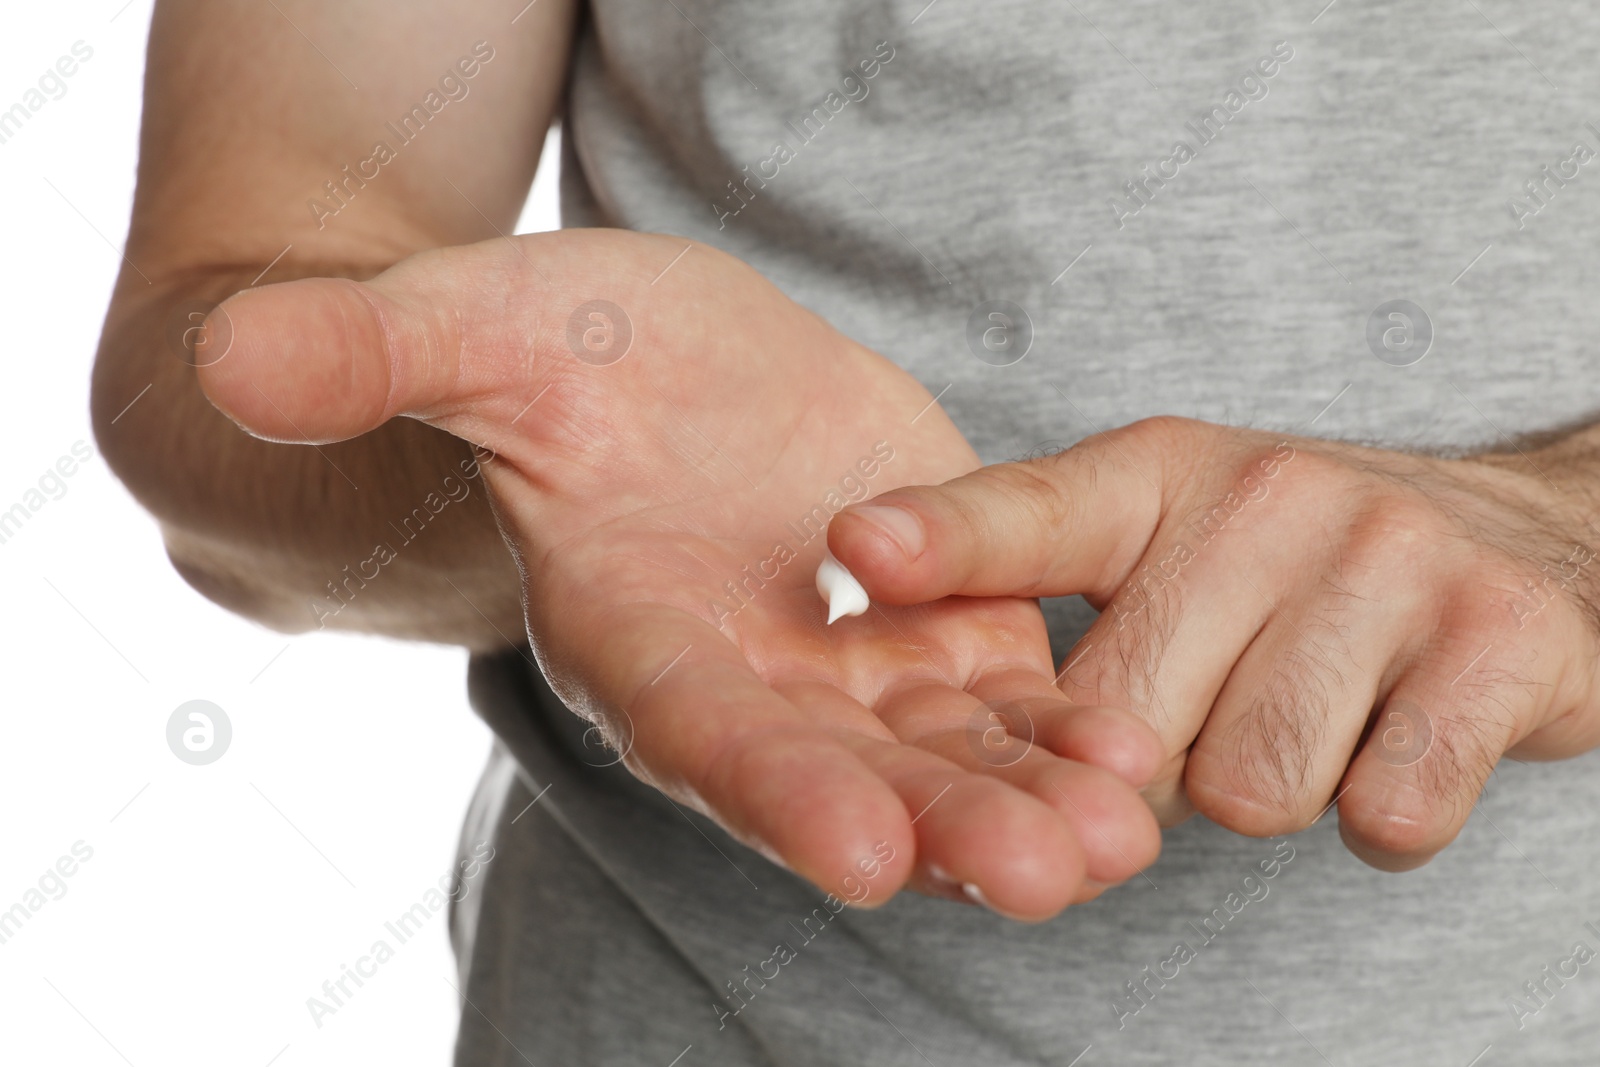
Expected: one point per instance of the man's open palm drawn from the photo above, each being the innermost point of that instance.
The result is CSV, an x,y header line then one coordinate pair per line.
x,y
680,435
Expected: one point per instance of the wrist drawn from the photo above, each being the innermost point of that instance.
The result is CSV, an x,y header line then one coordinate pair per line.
x,y
1564,472
267,529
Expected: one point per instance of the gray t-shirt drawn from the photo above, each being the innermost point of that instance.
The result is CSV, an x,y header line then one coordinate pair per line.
x,y
1200,209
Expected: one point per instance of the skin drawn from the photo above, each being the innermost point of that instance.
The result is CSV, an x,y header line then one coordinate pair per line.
x,y
1302,621
621,497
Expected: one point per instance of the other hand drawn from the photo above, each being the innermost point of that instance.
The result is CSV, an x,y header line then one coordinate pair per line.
x,y
1301,620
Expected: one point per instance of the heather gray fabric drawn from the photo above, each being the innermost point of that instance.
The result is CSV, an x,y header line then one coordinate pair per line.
x,y
1383,159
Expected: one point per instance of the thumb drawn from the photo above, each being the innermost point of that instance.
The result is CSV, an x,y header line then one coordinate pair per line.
x,y
326,359
1075,522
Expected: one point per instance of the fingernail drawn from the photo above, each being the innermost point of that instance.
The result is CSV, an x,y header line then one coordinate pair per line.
x,y
902,526
942,884
974,894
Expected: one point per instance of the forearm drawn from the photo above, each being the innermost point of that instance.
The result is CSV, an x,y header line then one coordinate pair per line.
x,y
296,537
247,129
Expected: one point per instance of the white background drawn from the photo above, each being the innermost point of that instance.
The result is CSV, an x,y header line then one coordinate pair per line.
x,y
218,898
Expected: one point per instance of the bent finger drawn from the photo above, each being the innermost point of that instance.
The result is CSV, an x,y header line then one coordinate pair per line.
x,y
1075,522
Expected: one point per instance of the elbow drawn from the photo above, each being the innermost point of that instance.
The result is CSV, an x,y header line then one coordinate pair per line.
x,y
228,588
131,441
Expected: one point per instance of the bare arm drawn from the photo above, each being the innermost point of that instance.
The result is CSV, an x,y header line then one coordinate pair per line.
x,y
249,110
822,748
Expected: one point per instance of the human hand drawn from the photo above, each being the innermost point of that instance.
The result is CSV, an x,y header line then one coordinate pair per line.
x,y
647,464
1302,621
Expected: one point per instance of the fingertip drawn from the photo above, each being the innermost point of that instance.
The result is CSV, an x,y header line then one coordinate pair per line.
x,y
873,876
1140,753
1113,739
1092,890
1117,829
1389,823
305,361
885,546
852,838
1371,849
1401,805
897,524
1011,853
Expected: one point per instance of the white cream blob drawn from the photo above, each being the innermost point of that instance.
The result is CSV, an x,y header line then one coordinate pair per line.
x,y
840,590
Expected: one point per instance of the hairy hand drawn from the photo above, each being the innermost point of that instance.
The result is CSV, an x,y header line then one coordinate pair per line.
x,y
1302,621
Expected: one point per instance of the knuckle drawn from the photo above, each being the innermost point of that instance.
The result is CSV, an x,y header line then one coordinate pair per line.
x,y
1262,457
1033,489
1259,776
1463,754
1530,595
1256,784
1126,647
1161,431
1396,532
1495,601
1156,447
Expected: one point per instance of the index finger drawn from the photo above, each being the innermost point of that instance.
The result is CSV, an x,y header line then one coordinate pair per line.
x,y
1075,522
